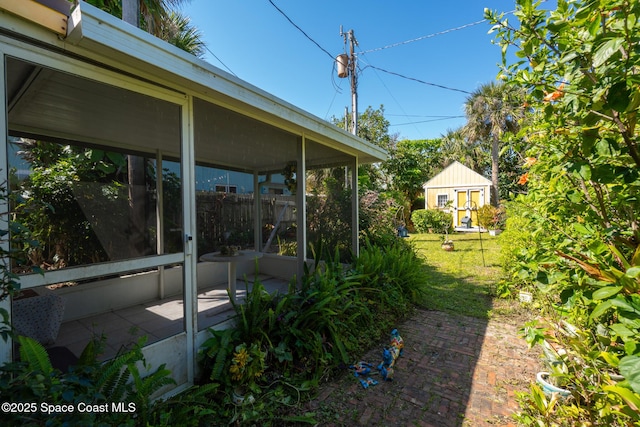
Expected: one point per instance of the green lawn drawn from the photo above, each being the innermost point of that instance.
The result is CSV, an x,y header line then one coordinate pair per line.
x,y
461,281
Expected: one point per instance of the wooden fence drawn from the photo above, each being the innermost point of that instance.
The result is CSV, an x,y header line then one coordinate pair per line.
x,y
227,218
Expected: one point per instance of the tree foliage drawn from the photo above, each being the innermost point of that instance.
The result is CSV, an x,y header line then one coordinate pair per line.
x,y
160,18
493,111
457,147
579,65
411,163
476,155
67,194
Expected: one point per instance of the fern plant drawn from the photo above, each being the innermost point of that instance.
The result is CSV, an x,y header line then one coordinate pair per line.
x,y
34,379
215,354
15,243
34,355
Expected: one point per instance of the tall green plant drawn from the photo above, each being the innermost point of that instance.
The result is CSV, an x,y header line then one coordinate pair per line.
x,y
325,313
578,64
395,277
294,340
329,218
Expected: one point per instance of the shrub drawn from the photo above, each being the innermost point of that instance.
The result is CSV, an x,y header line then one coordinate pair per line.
x,y
33,379
395,278
432,221
491,218
329,218
418,203
582,184
378,215
307,334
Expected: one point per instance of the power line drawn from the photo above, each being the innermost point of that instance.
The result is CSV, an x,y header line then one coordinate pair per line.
x,y
439,33
417,80
220,61
387,47
391,94
301,30
419,115
427,121
337,90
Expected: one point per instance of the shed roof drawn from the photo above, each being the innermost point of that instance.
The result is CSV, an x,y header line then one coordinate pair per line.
x,y
457,174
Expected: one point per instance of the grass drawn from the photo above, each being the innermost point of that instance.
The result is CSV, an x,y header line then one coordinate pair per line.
x,y
462,281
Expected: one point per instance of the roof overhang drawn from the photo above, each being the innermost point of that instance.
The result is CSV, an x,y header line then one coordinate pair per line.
x,y
104,40
50,14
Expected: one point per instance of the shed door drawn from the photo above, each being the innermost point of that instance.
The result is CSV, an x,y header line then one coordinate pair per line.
x,y
467,204
461,206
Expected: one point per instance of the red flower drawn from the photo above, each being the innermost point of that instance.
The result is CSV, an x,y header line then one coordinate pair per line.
x,y
524,179
555,95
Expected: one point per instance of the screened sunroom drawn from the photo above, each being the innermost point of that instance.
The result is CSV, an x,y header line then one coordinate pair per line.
x,y
134,165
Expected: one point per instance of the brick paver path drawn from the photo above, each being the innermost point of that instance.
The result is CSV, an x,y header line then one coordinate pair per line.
x,y
455,371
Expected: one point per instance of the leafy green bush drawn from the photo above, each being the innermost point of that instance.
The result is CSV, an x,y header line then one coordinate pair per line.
x,y
33,379
582,184
432,221
329,218
491,217
306,334
516,248
378,217
418,203
395,278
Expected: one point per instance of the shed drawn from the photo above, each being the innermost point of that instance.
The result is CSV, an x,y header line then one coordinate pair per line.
x,y
82,78
459,190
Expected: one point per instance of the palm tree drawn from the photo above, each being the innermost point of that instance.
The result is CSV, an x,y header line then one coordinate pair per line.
x,y
493,110
178,31
159,17
455,146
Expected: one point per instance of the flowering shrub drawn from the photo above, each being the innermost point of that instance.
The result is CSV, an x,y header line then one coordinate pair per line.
x,y
578,64
491,218
247,365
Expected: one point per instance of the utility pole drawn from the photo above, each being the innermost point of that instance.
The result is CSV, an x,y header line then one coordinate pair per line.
x,y
347,68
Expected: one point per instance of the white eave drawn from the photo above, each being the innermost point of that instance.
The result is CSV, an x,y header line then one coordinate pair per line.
x,y
105,36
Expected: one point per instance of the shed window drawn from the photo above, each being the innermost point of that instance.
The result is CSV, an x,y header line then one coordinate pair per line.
x,y
443,199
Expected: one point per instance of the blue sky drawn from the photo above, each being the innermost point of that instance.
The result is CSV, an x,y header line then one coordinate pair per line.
x,y
257,43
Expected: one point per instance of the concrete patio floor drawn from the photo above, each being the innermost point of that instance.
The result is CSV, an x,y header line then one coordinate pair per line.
x,y
156,320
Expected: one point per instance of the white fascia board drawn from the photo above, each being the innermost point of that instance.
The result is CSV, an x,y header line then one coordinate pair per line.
x,y
125,43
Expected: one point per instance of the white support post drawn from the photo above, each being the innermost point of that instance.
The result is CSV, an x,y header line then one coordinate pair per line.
x,y
190,296
301,211
355,209
5,346
159,221
257,212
